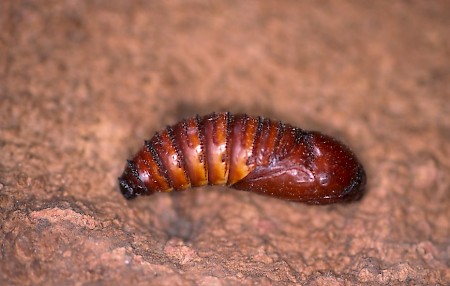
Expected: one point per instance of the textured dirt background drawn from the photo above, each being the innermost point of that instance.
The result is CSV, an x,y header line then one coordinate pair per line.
x,y
83,83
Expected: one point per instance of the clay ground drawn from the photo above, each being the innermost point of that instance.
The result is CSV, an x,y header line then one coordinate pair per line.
x,y
83,83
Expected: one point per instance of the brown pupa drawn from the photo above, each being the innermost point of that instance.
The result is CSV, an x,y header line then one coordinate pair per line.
x,y
246,153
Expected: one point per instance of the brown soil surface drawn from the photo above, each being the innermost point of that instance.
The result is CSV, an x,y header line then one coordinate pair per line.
x,y
83,83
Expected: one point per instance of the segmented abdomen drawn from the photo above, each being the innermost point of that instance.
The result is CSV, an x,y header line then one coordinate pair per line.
x,y
247,153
